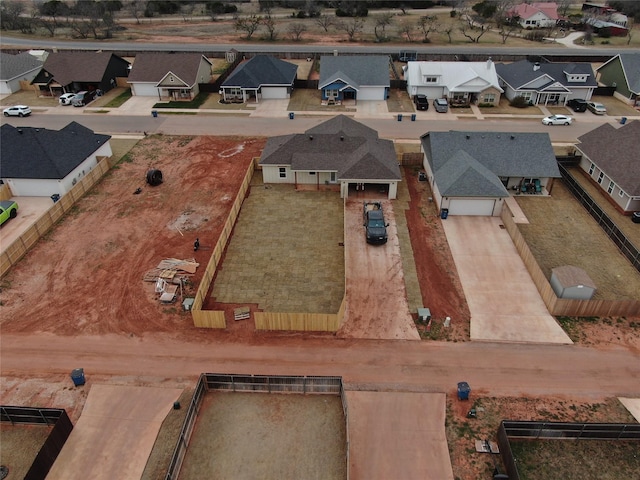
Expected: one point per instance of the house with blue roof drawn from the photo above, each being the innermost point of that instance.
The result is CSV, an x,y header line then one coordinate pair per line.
x,y
261,77
472,173
353,78
546,83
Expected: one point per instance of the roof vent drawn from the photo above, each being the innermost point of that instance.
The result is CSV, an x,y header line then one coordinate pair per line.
x,y
468,136
536,66
310,137
20,131
513,137
342,137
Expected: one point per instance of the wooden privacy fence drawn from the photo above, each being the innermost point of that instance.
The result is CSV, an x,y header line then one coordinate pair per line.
x,y
306,322
510,430
21,245
563,306
56,439
247,383
5,192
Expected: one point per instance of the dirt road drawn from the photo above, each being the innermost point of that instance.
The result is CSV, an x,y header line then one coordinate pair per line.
x,y
496,369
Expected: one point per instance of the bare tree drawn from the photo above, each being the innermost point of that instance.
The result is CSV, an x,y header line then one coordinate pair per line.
x,y
136,8
187,10
325,21
473,33
448,30
427,25
630,25
563,6
249,25
50,25
406,28
270,24
10,14
296,30
382,20
351,27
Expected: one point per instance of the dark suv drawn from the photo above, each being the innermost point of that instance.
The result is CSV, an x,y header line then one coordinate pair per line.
x,y
421,102
577,105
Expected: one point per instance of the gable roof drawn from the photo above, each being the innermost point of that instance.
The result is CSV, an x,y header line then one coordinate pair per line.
x,y
154,67
456,76
464,162
615,151
29,152
521,73
12,66
68,67
339,145
262,70
525,11
355,70
631,68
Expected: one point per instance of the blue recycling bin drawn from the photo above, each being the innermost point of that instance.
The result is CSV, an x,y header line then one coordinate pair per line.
x,y
623,120
413,117
463,391
444,213
154,113
399,117
291,115
77,376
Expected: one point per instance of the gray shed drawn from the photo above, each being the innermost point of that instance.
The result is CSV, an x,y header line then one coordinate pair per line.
x,y
572,282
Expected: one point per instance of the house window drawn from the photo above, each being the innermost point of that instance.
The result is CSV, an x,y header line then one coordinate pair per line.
x,y
430,79
171,78
526,95
332,177
620,193
600,177
235,91
591,169
283,172
489,98
459,96
610,188
332,93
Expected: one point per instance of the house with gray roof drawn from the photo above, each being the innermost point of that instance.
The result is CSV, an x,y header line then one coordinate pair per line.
x,y
169,76
622,72
611,158
472,173
354,77
260,77
546,83
339,153
15,69
38,162
73,71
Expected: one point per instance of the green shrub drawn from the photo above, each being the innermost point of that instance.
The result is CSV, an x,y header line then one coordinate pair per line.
x,y
519,102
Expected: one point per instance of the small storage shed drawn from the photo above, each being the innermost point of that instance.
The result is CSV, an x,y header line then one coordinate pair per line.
x,y
572,282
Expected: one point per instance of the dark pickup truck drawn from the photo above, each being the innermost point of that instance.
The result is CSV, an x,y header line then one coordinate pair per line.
x,y
375,228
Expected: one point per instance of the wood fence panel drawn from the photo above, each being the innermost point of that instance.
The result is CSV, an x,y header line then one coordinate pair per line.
x,y
5,192
209,319
306,322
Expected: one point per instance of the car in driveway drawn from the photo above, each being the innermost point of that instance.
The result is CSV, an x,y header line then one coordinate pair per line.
x,y
597,108
8,209
441,105
17,111
83,98
66,98
557,120
577,105
421,102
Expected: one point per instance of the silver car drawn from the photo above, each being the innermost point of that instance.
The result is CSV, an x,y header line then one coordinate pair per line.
x,y
597,108
441,105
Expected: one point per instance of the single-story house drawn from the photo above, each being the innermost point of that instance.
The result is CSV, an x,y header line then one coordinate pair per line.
x,y
340,152
262,76
547,83
535,15
169,76
572,282
66,72
461,83
38,162
622,72
15,69
611,158
471,173
354,77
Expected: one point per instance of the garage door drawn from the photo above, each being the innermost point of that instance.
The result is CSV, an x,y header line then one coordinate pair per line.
x,y
471,207
269,93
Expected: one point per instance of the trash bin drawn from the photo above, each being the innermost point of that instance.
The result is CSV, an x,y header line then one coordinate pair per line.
x,y
413,117
463,391
77,376
154,113
623,120
55,197
444,213
399,117
291,115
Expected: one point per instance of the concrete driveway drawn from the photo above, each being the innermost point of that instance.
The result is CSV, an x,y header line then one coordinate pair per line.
x,y
503,300
30,209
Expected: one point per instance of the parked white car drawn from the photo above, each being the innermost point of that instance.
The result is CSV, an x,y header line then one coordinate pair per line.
x,y
557,120
17,111
66,98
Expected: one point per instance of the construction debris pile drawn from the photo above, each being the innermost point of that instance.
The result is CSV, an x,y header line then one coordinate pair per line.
x,y
169,275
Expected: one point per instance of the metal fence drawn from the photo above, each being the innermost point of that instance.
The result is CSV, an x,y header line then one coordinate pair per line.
x,y
56,439
626,247
246,383
510,430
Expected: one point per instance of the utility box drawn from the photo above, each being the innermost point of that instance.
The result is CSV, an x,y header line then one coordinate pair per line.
x,y
424,315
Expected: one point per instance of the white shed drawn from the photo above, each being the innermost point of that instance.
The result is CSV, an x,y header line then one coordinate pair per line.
x,y
572,282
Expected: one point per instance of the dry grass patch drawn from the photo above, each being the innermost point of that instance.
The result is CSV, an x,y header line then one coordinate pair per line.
x,y
19,445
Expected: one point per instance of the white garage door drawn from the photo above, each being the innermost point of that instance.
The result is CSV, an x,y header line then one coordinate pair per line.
x,y
371,93
274,92
471,207
144,89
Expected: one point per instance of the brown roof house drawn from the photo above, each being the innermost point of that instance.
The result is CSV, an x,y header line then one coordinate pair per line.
x,y
611,157
169,76
339,152
65,72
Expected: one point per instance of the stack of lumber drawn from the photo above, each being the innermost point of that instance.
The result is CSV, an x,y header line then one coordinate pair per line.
x,y
169,268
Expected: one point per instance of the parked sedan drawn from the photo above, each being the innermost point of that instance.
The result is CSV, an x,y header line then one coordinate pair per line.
x,y
66,98
17,111
441,105
597,108
557,120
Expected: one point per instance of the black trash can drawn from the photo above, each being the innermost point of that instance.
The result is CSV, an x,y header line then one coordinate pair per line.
x,y
413,117
154,113
444,213
399,117
291,115
623,120
55,197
